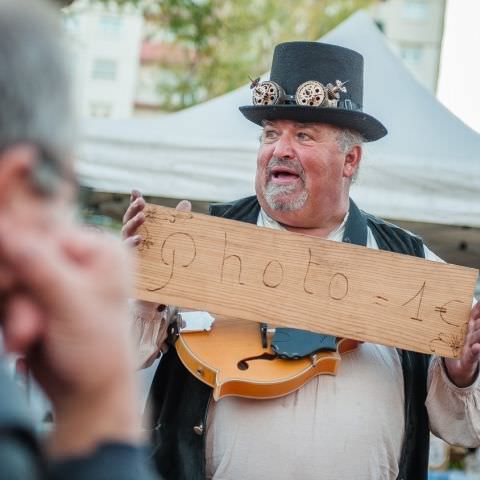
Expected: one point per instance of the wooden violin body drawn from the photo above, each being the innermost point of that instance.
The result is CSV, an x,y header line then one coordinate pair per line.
x,y
231,359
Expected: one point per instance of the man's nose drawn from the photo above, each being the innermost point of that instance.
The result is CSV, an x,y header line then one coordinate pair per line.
x,y
284,147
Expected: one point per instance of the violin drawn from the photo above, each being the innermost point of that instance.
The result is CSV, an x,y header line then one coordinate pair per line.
x,y
248,359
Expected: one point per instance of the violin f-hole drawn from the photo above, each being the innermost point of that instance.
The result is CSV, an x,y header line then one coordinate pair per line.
x,y
243,364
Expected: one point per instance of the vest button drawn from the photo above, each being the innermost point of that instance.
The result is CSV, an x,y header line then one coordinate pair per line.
x,y
198,429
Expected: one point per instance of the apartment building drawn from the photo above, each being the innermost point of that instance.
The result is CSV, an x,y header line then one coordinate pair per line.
x,y
415,30
105,43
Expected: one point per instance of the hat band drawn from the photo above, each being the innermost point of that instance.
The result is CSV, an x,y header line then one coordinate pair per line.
x,y
309,94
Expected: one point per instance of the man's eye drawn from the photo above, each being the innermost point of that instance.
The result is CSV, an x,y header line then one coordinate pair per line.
x,y
269,134
303,136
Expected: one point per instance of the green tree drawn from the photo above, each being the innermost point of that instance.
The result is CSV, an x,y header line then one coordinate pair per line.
x,y
230,40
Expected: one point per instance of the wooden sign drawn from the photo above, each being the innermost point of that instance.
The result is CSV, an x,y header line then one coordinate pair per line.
x,y
285,279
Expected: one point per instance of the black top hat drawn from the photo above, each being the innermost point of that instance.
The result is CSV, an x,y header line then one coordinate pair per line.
x,y
314,82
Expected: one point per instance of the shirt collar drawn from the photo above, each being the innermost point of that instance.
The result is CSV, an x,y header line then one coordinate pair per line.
x,y
265,221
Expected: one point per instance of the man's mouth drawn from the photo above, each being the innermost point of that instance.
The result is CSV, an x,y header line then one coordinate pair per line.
x,y
283,176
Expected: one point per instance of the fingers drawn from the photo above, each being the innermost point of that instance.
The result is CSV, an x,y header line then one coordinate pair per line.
x,y
134,195
133,241
475,314
54,266
7,278
473,335
471,347
23,324
95,259
135,207
129,229
81,245
473,332
184,206
476,350
38,262
134,216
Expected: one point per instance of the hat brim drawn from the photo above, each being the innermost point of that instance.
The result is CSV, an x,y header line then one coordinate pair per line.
x,y
370,128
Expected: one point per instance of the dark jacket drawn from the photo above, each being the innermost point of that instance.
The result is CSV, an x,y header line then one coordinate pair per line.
x,y
21,457
179,402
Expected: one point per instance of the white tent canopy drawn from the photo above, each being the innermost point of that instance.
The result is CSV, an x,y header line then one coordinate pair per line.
x,y
426,169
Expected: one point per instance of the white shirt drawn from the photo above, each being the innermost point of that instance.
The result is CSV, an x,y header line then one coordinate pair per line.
x,y
349,426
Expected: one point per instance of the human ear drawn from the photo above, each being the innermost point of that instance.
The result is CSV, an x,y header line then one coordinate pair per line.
x,y
17,165
352,161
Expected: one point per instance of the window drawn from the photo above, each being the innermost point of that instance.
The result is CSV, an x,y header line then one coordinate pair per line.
x,y
71,23
415,11
100,109
104,69
110,24
411,54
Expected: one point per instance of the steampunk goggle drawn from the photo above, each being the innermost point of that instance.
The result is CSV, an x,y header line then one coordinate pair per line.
x,y
309,94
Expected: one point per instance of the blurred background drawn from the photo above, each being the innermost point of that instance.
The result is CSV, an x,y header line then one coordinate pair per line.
x,y
159,83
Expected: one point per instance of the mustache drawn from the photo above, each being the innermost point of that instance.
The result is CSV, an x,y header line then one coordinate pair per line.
x,y
283,162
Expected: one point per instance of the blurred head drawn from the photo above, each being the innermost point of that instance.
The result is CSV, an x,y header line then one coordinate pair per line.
x,y
36,122
304,172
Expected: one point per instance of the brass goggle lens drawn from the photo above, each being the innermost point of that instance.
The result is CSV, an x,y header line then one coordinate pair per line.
x,y
309,94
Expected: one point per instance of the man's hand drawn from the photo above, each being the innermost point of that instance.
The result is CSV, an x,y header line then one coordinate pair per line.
x,y
149,319
68,314
133,219
464,370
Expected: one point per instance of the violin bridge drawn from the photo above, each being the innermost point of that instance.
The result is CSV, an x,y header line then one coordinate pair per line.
x,y
266,332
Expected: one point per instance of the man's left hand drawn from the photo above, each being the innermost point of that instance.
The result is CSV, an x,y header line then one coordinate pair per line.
x,y
463,371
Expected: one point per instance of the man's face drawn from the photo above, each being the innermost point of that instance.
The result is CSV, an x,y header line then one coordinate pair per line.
x,y
302,175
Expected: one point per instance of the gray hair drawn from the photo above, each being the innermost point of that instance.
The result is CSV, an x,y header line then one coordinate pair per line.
x,y
35,97
347,139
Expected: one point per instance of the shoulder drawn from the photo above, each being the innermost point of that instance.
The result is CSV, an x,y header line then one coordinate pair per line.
x,y
394,238
380,223
245,209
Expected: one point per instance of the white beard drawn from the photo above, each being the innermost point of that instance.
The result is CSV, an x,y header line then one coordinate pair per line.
x,y
274,193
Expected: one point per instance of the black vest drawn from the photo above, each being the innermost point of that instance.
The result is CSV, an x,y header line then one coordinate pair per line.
x,y
178,402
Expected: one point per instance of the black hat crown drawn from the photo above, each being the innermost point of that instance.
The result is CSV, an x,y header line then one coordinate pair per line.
x,y
339,70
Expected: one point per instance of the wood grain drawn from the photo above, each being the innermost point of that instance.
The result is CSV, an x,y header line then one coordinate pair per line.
x,y
286,279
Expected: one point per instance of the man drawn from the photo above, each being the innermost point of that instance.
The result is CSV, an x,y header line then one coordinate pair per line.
x,y
63,289
372,420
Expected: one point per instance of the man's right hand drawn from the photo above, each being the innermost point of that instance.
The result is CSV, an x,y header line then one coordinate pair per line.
x,y
133,219
150,320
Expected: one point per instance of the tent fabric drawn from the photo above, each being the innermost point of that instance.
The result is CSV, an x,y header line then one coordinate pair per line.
x,y
426,169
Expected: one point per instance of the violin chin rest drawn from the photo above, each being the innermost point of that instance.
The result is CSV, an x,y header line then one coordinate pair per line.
x,y
293,343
